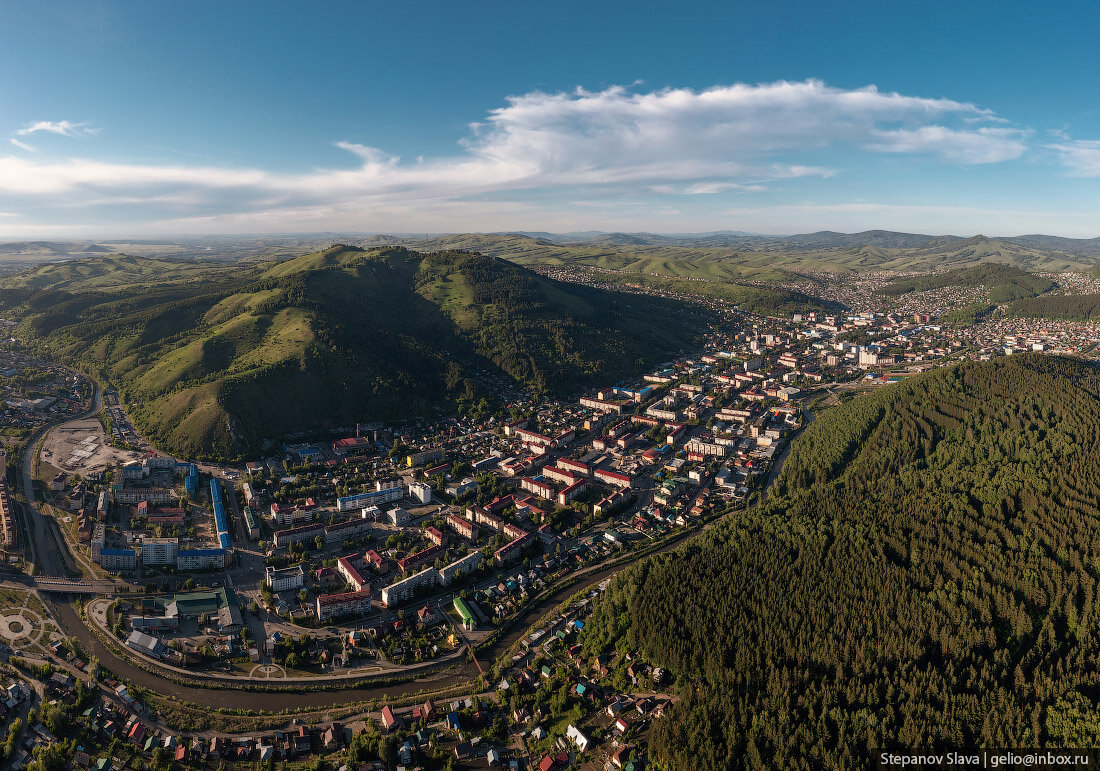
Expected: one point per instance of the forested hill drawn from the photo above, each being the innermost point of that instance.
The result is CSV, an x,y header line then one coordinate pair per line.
x,y
1076,307
1004,282
923,575
213,359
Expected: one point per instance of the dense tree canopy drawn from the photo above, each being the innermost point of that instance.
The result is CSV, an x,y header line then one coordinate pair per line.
x,y
1004,282
924,574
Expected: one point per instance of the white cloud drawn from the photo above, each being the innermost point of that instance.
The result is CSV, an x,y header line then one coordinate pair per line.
x,y
65,128
982,145
705,188
616,141
1082,156
22,145
618,135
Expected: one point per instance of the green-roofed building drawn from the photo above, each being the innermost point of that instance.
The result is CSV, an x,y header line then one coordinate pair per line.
x,y
463,610
250,523
195,604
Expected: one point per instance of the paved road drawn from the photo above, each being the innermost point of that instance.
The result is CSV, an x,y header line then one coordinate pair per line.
x,y
49,552
451,676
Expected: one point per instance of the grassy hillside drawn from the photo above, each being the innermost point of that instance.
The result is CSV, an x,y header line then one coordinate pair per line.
x,y
924,574
215,358
734,257
1004,282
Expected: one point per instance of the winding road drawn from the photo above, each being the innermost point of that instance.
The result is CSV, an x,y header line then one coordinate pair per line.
x,y
53,560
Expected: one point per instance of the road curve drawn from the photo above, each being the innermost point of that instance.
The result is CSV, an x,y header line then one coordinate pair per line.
x,y
456,675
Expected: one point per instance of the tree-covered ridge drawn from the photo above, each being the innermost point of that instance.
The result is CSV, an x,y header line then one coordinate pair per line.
x,y
214,359
1075,307
1004,282
923,575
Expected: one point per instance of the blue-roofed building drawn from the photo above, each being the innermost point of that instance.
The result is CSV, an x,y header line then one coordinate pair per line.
x,y
118,559
221,519
200,559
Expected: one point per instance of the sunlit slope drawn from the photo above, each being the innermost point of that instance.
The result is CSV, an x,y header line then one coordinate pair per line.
x,y
216,360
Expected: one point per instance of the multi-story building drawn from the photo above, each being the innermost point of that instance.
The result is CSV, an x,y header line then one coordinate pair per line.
x,y
463,527
449,573
99,540
387,493
159,551
612,502
572,491
342,531
284,538
559,475
414,561
376,561
200,559
704,447
420,492
538,487
435,536
284,580
575,467
425,456
403,591
155,495
614,478
118,560
350,573
330,606
615,408
250,523
7,517
511,550
292,516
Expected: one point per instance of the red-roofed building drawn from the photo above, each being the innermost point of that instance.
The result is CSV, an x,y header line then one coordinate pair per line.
x,y
614,478
422,556
346,568
571,492
463,527
575,466
329,606
355,445
435,536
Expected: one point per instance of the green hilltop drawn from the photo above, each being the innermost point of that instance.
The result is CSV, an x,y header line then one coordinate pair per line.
x,y
214,358
924,574
1004,282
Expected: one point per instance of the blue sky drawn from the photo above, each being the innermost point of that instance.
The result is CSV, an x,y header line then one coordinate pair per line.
x,y
201,117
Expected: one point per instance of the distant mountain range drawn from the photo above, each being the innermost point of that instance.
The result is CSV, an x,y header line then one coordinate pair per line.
x,y
739,256
745,255
824,239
